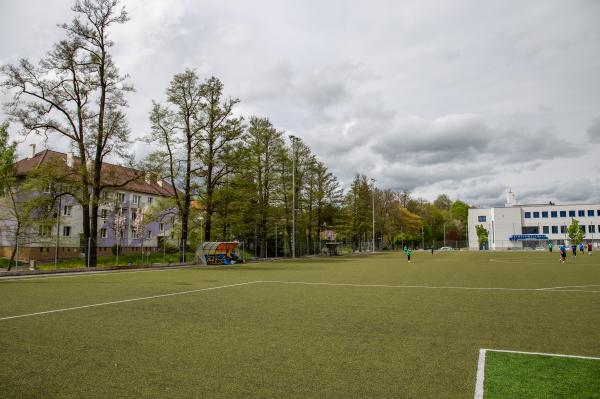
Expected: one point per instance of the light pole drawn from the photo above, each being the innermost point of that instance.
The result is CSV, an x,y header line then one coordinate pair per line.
x,y
57,234
294,139
373,210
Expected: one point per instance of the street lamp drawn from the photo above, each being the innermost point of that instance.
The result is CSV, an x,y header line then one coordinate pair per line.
x,y
373,210
294,139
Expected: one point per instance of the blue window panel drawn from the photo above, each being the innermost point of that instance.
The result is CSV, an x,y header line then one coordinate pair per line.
x,y
581,212
554,229
563,214
571,214
536,215
481,218
553,214
563,229
590,212
527,215
544,214
592,228
545,229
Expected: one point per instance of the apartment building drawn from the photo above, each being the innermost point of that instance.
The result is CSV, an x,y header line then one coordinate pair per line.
x,y
118,210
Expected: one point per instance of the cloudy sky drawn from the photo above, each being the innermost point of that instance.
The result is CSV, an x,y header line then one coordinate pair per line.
x,y
466,98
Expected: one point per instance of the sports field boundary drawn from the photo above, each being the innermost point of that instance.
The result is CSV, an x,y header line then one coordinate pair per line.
x,y
480,378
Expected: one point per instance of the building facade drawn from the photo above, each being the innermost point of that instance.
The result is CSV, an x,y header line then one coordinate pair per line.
x,y
119,210
517,226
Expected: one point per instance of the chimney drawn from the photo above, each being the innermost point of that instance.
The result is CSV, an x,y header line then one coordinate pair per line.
x,y
160,183
31,150
70,160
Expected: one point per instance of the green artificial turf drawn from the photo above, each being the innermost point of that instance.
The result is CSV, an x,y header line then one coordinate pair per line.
x,y
270,339
517,375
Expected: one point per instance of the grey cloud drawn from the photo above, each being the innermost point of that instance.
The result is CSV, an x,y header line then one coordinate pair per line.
x,y
594,130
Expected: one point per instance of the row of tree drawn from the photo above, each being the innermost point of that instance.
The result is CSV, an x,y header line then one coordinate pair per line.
x,y
235,178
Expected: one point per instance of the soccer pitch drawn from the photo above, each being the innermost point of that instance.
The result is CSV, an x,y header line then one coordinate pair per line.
x,y
348,327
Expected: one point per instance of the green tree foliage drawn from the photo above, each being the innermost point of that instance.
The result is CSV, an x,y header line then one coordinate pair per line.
x,y
575,233
482,235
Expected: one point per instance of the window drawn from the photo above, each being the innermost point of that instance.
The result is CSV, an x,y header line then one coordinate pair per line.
x,y
527,215
553,214
148,234
545,229
45,231
137,199
563,229
581,212
102,233
571,214
67,210
150,199
545,214
66,231
536,215
133,233
161,227
563,214
104,195
133,214
554,229
103,213
481,218
582,227
590,212
173,219
592,228
121,197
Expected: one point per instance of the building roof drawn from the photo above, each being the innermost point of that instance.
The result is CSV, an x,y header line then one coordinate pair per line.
x,y
111,174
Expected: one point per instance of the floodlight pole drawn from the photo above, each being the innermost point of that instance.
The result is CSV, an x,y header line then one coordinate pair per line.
x,y
373,210
293,138
57,234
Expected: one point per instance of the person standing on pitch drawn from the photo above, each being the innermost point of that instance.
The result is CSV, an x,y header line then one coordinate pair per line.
x,y
574,250
550,246
589,248
581,247
563,253
408,254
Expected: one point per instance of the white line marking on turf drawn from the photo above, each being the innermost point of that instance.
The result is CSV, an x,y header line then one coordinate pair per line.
x,y
421,286
479,382
127,300
103,272
480,374
543,354
298,282
569,286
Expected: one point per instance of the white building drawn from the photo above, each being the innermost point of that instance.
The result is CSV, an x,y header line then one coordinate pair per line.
x,y
516,226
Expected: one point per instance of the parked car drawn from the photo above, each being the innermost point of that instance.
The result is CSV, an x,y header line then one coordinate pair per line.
x,y
446,249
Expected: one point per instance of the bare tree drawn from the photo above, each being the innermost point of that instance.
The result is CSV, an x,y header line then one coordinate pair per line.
x,y
77,91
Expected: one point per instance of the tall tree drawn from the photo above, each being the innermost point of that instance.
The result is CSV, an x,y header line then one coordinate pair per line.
x,y
177,128
77,91
262,141
219,134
